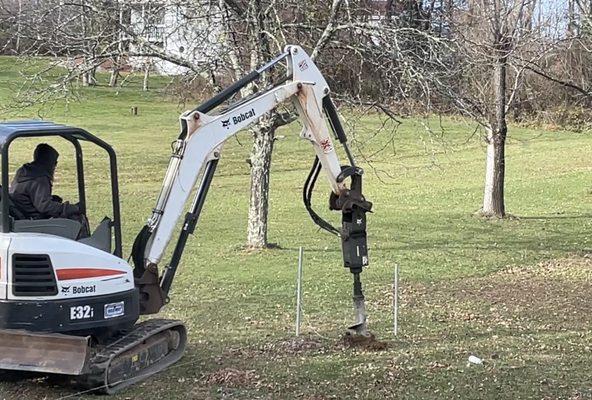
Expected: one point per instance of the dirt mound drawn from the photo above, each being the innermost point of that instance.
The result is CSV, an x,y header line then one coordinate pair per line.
x,y
368,343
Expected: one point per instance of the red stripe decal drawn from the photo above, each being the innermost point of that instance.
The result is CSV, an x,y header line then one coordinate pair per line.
x,y
81,273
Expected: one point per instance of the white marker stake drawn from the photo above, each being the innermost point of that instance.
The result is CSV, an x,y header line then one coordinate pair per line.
x,y
396,301
299,290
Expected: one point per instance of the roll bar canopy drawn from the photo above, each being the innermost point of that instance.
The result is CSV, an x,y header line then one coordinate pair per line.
x,y
9,131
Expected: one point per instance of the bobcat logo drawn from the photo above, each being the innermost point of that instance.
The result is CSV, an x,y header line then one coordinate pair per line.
x,y
65,289
226,123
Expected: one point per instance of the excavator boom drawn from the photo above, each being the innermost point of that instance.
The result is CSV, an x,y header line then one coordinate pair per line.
x,y
197,151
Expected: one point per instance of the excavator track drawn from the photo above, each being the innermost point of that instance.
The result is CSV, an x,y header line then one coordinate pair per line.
x,y
147,349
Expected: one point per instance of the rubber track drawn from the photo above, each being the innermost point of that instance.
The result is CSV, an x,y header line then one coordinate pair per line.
x,y
100,361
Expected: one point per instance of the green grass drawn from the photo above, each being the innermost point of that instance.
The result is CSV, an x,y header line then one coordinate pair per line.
x,y
426,188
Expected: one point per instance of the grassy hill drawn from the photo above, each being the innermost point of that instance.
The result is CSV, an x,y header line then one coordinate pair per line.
x,y
515,292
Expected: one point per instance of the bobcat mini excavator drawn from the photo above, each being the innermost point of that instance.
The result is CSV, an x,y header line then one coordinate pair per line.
x,y
70,306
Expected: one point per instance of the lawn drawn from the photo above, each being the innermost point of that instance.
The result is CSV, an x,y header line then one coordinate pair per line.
x,y
516,292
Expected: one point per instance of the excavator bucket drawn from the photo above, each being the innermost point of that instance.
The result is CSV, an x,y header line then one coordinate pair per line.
x,y
43,352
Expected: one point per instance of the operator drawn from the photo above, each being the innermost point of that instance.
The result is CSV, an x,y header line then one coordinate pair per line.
x,y
31,188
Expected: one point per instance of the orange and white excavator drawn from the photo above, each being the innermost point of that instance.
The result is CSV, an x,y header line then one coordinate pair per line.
x,y
70,305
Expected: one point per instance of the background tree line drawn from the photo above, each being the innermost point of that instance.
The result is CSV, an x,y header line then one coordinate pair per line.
x,y
493,61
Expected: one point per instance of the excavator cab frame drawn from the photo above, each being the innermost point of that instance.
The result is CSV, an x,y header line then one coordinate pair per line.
x,y
11,131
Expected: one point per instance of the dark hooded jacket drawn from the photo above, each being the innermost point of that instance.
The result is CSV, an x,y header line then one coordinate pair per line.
x,y
30,192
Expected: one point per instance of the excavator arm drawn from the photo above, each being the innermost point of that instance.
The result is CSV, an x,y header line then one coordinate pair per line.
x,y
196,153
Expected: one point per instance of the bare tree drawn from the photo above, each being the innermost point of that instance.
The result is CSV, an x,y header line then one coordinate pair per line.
x,y
491,37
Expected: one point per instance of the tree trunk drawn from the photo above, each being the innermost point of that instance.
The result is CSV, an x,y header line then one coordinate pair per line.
x,y
571,19
17,46
493,199
146,81
114,76
263,140
260,171
117,61
89,77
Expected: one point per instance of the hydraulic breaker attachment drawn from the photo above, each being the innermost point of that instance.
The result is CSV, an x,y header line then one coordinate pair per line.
x,y
354,245
353,207
43,352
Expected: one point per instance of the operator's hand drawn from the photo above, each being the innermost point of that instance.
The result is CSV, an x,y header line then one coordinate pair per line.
x,y
71,209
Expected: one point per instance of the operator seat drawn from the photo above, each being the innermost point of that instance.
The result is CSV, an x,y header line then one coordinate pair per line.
x,y
63,227
55,226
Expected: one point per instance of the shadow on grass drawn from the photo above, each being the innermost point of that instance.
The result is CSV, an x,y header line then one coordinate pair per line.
x,y
530,233
554,217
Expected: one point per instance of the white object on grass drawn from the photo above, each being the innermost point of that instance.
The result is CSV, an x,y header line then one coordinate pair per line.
x,y
475,360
